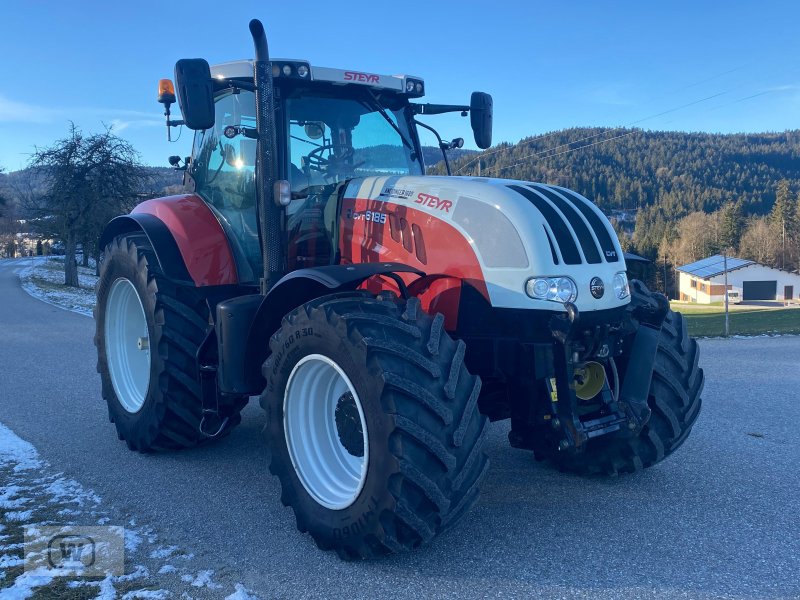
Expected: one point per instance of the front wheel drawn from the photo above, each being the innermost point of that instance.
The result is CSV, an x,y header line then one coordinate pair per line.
x,y
373,424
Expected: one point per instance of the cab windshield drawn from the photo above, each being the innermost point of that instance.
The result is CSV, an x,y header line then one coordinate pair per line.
x,y
333,138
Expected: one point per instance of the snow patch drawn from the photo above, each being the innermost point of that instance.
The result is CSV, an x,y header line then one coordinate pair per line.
x,y
202,579
32,484
19,515
68,490
25,584
7,561
138,573
107,591
132,539
14,449
163,551
241,593
146,594
44,280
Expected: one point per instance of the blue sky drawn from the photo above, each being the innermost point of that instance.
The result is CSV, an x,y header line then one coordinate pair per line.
x,y
708,66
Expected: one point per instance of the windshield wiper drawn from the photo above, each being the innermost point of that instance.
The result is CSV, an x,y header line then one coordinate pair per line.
x,y
385,115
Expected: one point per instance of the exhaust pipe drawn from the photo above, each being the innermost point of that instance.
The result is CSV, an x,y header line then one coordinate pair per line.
x,y
270,213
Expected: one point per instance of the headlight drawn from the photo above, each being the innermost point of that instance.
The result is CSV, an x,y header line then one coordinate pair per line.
x,y
621,287
556,289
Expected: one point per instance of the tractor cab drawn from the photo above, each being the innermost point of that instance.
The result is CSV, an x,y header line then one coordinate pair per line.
x,y
331,126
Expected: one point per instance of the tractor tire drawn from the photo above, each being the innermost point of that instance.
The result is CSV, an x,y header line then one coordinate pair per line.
x,y
373,423
674,400
148,330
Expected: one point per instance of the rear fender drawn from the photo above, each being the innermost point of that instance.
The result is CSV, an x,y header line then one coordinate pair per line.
x,y
293,290
188,240
170,260
201,240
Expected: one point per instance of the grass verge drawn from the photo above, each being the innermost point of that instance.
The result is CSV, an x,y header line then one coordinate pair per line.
x,y
744,322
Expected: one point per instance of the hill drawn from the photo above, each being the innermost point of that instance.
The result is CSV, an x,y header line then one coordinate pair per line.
x,y
628,169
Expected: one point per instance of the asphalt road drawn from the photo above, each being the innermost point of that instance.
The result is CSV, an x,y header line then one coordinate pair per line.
x,y
720,519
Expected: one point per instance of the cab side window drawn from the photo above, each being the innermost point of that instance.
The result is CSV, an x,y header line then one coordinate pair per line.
x,y
223,170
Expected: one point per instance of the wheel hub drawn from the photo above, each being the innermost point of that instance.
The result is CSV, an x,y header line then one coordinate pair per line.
x,y
348,425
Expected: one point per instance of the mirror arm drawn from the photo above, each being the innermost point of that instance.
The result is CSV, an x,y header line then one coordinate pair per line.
x,y
170,122
438,109
442,145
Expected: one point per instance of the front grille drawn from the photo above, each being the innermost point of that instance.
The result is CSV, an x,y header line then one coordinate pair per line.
x,y
588,245
598,226
562,211
564,238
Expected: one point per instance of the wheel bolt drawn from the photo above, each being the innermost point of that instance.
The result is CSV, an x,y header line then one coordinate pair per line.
x,y
563,445
143,343
555,423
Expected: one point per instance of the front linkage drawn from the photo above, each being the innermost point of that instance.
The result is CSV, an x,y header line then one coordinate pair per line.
x,y
623,410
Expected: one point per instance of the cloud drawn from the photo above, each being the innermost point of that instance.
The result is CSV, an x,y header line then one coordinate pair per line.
x,y
23,112
12,111
119,125
790,87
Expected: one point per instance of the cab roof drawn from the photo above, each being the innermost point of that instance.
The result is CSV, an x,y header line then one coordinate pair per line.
x,y
243,69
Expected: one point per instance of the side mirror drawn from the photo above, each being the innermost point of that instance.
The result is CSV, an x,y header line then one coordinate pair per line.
x,y
195,92
480,117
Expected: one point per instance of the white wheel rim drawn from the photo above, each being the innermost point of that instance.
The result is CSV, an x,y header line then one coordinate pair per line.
x,y
333,475
127,344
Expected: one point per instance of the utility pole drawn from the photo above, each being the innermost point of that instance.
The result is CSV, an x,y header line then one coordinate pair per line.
x,y
725,270
665,276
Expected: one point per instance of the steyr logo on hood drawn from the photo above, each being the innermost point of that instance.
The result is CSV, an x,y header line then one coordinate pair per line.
x,y
597,287
433,202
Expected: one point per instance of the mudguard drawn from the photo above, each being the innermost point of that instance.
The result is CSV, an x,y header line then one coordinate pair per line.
x,y
161,240
188,240
293,290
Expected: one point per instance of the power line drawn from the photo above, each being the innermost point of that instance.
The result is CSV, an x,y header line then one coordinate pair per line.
x,y
522,162
498,149
554,133
665,112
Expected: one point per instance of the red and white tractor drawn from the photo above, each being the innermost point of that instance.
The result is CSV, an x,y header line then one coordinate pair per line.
x,y
383,316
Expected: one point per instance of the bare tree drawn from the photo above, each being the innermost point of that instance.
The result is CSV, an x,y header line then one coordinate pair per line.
x,y
88,179
759,244
698,236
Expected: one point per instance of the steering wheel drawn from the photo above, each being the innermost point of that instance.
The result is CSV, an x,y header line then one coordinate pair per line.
x,y
316,162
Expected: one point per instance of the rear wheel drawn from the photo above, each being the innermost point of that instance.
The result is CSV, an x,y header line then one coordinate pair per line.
x,y
148,331
373,424
674,400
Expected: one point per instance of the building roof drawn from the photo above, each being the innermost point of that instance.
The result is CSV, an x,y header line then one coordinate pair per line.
x,y
712,266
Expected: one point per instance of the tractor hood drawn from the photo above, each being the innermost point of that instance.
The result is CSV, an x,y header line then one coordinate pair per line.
x,y
518,230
